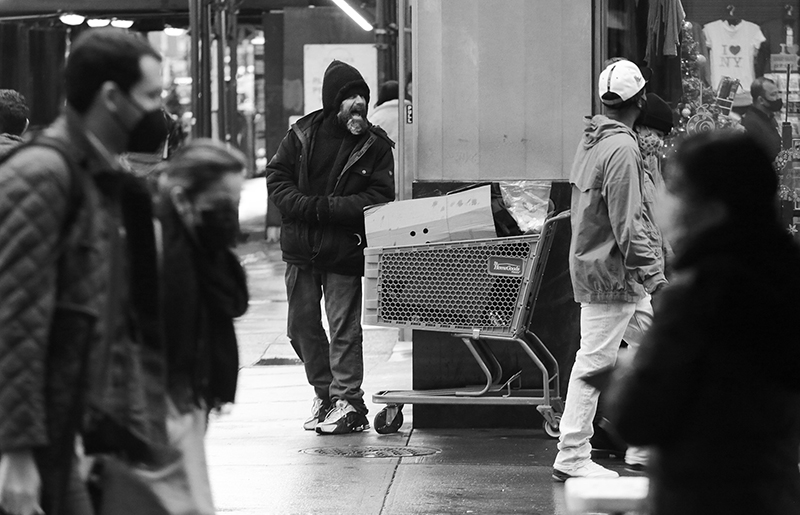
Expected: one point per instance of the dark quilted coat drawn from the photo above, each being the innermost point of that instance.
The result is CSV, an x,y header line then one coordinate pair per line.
x,y
54,290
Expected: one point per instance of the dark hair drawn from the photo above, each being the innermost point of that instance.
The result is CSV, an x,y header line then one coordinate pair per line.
x,y
14,112
389,90
757,87
730,167
631,102
101,55
200,163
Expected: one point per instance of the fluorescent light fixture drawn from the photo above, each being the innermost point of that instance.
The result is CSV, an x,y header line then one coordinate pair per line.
x,y
182,80
97,22
174,31
258,40
122,24
344,6
71,19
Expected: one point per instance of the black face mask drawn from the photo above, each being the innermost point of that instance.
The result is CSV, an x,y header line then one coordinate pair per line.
x,y
149,133
218,226
774,105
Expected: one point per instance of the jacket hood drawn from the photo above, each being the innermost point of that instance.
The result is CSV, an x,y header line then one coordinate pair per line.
x,y
340,82
599,127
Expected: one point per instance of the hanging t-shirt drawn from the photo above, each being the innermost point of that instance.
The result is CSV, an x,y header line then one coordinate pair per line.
x,y
733,50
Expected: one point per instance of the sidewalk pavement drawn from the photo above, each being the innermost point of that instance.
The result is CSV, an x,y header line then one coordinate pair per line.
x,y
262,461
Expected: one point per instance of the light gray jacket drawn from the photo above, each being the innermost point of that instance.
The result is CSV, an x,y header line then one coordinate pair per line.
x,y
613,254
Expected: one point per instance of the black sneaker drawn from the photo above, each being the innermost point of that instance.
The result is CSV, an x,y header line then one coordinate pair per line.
x,y
343,419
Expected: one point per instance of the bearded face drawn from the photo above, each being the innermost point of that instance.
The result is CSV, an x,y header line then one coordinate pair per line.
x,y
353,114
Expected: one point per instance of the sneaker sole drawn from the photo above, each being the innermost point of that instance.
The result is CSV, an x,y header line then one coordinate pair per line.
x,y
635,468
560,476
344,431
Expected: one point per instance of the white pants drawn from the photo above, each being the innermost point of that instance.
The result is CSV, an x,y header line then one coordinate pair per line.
x,y
603,326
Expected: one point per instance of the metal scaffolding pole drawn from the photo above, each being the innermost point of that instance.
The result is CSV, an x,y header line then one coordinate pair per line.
x,y
201,68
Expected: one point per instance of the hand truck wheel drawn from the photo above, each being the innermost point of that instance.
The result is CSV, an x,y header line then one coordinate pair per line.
x,y
389,419
553,430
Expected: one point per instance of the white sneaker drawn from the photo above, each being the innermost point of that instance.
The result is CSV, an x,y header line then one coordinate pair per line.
x,y
343,418
588,469
318,412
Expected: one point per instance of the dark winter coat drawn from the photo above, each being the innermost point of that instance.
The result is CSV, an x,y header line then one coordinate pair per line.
x,y
332,239
203,292
54,297
715,387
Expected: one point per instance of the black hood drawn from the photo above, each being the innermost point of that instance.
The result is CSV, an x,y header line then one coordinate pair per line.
x,y
340,82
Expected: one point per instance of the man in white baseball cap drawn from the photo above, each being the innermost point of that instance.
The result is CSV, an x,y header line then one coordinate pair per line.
x,y
621,80
614,263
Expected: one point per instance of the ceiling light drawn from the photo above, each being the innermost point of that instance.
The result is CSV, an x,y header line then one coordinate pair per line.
x,y
174,31
344,6
122,24
97,22
71,19
258,40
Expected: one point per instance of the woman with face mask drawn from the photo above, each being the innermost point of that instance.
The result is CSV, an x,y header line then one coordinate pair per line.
x,y
204,289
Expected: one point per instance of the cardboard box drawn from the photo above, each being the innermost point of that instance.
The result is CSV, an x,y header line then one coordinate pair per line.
x,y
465,215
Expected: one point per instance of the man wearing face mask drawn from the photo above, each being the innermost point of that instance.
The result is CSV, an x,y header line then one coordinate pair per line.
x,y
330,166
78,282
614,263
759,120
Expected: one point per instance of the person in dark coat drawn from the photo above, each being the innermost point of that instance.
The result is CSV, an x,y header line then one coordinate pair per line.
x,y
204,289
330,166
714,387
759,120
80,349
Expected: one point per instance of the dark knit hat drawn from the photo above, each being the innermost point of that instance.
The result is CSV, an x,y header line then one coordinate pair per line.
x,y
389,91
341,81
657,114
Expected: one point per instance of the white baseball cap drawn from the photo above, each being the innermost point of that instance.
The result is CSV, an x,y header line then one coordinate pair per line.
x,y
620,81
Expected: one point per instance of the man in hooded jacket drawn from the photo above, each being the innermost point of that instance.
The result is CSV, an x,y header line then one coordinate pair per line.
x,y
330,166
615,262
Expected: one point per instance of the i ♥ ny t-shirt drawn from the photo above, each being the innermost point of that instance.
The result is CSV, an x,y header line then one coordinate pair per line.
x,y
732,52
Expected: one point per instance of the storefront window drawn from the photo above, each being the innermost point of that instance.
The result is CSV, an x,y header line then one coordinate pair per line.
x,y
702,57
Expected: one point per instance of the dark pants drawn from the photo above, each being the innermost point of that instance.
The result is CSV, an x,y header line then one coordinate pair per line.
x,y
335,369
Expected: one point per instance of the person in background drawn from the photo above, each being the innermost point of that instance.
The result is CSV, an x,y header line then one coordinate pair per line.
x,y
655,123
759,119
14,121
724,339
78,282
204,289
385,116
330,166
615,264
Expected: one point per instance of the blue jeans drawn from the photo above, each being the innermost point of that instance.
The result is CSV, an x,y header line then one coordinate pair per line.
x,y
334,368
603,326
